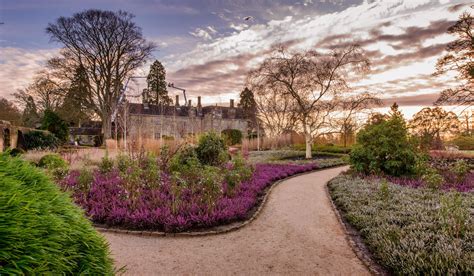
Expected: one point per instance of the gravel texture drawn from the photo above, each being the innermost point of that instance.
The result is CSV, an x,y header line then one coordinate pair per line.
x,y
296,233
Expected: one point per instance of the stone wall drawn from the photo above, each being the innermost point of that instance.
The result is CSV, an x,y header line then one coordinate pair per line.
x,y
152,126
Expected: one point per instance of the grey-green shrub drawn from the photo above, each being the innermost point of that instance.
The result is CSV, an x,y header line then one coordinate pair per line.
x,y
412,231
41,230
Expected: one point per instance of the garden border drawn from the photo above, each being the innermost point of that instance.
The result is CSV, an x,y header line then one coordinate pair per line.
x,y
354,239
216,230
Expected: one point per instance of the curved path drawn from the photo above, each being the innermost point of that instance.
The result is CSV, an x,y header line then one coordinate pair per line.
x,y
296,233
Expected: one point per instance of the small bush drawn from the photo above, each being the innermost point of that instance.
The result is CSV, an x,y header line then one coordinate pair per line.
x,y
384,147
40,140
239,172
211,149
454,217
185,157
16,151
54,165
106,164
232,136
432,178
460,169
41,230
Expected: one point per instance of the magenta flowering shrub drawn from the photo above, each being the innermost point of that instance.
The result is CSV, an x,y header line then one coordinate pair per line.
x,y
451,181
161,207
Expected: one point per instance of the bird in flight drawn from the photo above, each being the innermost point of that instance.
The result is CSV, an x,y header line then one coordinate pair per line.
x,y
247,18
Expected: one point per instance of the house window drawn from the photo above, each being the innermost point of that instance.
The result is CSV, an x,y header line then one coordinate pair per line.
x,y
157,135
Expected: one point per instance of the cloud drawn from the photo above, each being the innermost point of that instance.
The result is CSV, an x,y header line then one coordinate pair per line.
x,y
239,27
201,33
397,35
18,67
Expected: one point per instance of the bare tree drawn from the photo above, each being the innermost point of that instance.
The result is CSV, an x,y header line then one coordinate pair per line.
x,y
109,46
275,111
349,108
45,91
431,123
313,81
460,59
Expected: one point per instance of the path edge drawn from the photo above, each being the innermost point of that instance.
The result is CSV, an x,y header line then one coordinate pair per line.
x,y
354,239
230,227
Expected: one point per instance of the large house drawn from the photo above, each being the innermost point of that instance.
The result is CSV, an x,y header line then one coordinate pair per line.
x,y
150,121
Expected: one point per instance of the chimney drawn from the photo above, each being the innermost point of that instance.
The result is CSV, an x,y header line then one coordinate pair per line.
x,y
231,103
189,103
199,101
177,100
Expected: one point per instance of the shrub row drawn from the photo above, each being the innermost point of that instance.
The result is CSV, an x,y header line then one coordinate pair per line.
x,y
410,231
170,203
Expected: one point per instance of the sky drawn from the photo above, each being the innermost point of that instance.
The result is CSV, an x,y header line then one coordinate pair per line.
x,y
208,46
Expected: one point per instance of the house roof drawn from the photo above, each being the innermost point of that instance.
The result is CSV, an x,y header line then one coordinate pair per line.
x,y
136,108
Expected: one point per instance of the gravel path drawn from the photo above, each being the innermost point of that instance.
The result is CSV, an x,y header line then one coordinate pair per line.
x,y
296,233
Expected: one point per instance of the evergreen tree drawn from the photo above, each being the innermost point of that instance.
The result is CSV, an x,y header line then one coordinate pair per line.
x,y
54,124
249,107
156,81
74,108
395,112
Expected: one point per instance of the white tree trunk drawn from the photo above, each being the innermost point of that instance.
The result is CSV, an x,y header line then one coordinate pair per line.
x,y
309,143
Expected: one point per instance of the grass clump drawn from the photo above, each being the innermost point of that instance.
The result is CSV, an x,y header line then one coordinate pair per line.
x,y
41,230
411,231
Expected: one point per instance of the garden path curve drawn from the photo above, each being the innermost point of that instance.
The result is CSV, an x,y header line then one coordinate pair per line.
x,y
296,233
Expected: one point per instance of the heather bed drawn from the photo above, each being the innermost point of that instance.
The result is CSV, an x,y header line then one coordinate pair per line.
x,y
407,230
108,202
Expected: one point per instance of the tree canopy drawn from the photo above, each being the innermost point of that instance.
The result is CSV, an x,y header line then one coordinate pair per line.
x,y
459,59
109,46
312,81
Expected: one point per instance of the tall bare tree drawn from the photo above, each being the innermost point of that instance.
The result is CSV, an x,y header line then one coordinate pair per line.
x,y
275,110
460,59
109,46
313,80
348,110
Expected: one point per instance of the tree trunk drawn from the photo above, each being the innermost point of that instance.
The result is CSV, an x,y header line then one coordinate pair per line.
x,y
106,127
308,141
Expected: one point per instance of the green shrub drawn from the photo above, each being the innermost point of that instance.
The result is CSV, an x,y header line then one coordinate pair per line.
x,y
454,217
232,136
211,149
464,142
54,165
85,179
460,168
41,230
185,157
240,172
106,164
432,178
16,152
384,147
40,140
